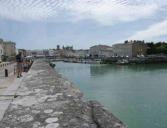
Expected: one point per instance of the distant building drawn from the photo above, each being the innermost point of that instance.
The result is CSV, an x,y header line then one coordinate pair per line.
x,y
1,52
51,52
59,53
68,48
122,50
81,53
23,51
138,48
37,53
100,51
28,53
46,52
130,49
69,53
107,53
41,53
9,48
58,47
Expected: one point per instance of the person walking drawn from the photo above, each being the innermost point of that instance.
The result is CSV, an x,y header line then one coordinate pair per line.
x,y
19,61
25,63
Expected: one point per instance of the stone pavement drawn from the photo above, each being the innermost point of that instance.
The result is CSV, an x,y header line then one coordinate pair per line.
x,y
47,100
8,88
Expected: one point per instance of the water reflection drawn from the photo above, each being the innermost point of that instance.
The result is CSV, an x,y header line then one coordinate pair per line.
x,y
134,93
148,67
104,69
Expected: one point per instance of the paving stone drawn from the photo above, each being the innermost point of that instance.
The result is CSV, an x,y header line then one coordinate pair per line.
x,y
48,100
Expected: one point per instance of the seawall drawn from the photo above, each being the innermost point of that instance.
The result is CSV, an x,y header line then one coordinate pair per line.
x,y
145,60
45,99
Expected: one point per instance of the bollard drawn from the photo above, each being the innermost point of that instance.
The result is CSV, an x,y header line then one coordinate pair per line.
x,y
6,73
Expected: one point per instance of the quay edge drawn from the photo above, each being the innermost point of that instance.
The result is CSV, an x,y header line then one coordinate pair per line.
x,y
45,99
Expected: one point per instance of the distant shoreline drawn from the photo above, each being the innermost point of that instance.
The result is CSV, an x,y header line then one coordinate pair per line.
x,y
113,60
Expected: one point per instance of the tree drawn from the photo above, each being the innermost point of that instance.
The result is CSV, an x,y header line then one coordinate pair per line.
x,y
126,41
157,48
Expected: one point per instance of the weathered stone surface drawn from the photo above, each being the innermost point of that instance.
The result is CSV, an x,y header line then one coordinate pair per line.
x,y
47,100
103,118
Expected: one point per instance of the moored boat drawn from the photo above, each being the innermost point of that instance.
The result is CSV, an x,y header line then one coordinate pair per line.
x,y
122,62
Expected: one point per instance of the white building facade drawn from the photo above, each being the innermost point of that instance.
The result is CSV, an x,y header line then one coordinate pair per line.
x,y
129,49
100,51
37,53
122,50
82,53
9,48
51,52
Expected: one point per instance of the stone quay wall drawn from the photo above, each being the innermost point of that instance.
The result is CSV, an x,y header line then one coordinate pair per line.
x,y
45,99
135,60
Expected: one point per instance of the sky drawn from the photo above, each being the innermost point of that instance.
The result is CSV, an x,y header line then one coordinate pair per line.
x,y
43,24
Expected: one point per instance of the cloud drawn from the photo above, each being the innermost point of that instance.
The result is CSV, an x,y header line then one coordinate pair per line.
x,y
26,10
110,11
154,31
103,11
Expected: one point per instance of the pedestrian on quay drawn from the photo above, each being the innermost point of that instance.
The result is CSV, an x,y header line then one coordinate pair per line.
x,y
19,60
25,65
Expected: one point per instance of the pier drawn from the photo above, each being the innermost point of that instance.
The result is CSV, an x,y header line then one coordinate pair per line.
x,y
45,99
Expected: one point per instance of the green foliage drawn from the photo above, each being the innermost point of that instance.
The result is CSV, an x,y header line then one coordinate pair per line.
x,y
14,54
4,58
157,48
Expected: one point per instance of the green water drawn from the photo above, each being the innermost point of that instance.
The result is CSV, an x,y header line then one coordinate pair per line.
x,y
136,94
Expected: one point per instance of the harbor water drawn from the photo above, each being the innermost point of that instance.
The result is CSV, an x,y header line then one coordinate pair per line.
x,y
136,94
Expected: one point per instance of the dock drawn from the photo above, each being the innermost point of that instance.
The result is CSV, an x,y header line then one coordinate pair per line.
x,y
45,99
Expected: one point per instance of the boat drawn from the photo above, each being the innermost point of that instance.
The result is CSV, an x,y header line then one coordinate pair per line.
x,y
122,62
82,61
93,62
